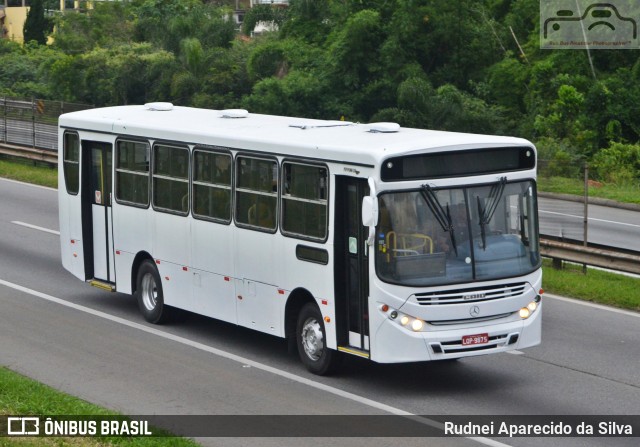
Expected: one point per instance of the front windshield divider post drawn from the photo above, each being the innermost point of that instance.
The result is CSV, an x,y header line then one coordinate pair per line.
x,y
472,253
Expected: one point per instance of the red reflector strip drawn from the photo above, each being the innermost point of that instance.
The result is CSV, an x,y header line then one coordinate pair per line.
x,y
281,292
184,269
157,261
117,252
73,241
325,302
167,278
226,278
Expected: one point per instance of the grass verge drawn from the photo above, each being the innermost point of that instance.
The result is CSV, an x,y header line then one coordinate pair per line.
x,y
561,185
25,171
598,286
22,396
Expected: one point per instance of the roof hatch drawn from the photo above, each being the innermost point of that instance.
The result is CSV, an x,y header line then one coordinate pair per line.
x,y
384,127
159,106
234,113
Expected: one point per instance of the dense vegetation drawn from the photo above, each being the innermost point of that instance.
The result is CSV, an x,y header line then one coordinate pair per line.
x,y
423,63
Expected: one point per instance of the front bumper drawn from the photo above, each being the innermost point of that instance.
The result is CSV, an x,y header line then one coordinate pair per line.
x,y
393,343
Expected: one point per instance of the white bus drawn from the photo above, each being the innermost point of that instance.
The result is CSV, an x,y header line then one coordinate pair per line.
x,y
388,243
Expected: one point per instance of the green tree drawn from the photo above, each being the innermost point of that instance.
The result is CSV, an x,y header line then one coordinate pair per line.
x,y
36,26
108,24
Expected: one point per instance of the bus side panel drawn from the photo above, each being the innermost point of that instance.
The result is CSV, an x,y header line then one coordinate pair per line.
x,y
171,244
212,254
132,234
314,277
258,266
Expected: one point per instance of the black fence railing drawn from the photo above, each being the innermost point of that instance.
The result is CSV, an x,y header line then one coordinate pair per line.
x,y
33,122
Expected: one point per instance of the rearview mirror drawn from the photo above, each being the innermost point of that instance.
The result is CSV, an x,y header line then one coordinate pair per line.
x,y
369,211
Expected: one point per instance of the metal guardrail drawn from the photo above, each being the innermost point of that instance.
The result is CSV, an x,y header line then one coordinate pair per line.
x,y
33,123
43,155
605,257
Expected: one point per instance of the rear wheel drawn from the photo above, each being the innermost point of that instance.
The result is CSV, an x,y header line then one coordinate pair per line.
x,y
149,294
312,342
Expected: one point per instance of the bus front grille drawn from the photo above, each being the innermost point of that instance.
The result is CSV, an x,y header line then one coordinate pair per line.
x,y
474,295
469,320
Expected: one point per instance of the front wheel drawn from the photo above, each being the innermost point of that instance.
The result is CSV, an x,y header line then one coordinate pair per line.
x,y
312,342
149,294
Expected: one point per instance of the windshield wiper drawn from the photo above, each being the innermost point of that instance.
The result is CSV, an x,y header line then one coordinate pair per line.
x,y
443,217
486,214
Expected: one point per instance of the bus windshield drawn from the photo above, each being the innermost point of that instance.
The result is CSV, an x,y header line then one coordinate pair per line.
x,y
442,236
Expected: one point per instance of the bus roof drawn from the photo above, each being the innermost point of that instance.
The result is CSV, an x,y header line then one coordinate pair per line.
x,y
302,137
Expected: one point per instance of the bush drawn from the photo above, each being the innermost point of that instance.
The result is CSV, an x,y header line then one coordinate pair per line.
x,y
619,163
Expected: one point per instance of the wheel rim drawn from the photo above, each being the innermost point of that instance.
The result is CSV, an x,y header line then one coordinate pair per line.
x,y
312,339
149,292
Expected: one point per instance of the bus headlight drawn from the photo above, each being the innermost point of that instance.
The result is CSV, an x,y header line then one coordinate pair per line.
x,y
406,321
526,312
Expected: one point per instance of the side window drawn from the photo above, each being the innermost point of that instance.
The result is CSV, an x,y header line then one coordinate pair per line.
x,y
132,172
304,200
256,192
71,162
212,185
171,178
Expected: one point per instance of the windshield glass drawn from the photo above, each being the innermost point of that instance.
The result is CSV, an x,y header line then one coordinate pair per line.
x,y
444,236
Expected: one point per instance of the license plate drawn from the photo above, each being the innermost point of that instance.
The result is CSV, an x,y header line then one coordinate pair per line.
x,y
477,339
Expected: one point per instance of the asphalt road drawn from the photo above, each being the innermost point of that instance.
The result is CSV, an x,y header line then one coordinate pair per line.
x,y
95,345
606,226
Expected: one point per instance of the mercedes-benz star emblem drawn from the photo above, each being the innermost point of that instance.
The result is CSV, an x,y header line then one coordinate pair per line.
x,y
474,311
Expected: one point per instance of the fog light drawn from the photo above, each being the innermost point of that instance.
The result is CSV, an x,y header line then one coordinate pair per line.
x,y
417,325
404,320
393,315
525,313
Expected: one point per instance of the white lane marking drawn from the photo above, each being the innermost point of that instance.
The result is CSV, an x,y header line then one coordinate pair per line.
x,y
244,361
590,218
35,227
590,304
515,352
28,184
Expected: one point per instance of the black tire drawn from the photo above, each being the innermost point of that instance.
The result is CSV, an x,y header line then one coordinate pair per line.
x,y
311,340
149,294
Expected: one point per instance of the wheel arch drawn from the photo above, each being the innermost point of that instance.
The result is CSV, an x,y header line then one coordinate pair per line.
x,y
296,301
137,262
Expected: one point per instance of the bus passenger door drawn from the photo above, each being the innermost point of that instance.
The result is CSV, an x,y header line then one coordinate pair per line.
x,y
351,266
97,217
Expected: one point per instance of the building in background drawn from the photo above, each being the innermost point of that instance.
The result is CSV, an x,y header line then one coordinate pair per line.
x,y
13,14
